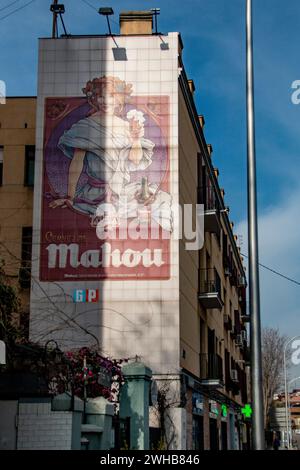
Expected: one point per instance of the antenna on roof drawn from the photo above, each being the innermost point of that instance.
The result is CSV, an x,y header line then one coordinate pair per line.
x,y
58,9
155,13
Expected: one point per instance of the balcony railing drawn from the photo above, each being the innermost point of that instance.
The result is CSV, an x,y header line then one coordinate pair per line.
x,y
207,197
210,289
211,370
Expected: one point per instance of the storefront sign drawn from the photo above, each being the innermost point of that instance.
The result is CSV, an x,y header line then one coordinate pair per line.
x,y
197,403
247,411
224,411
213,408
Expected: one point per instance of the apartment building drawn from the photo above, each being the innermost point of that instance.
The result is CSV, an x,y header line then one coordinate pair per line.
x,y
116,118
17,152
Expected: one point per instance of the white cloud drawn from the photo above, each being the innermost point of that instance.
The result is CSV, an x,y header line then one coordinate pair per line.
x,y
279,236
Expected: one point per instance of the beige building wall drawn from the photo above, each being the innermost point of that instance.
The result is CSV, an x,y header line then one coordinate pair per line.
x,y
193,341
188,260
17,129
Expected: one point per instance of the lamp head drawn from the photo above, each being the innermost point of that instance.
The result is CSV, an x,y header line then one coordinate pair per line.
x,y
106,11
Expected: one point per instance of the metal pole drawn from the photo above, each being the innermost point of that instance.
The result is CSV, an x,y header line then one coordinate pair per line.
x,y
255,331
63,23
108,24
286,397
54,24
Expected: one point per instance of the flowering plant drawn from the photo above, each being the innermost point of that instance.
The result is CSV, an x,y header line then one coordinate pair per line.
x,y
88,373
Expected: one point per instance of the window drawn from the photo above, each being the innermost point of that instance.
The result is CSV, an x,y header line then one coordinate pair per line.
x,y
1,164
29,165
25,270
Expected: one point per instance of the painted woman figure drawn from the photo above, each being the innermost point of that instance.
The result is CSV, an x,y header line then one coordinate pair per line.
x,y
107,148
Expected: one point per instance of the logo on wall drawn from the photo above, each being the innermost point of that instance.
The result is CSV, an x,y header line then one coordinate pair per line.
x,y
106,166
86,295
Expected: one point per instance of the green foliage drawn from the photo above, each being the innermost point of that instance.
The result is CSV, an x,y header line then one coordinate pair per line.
x,y
160,445
9,305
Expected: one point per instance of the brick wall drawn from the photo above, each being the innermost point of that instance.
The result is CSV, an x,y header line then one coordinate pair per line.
x,y
41,428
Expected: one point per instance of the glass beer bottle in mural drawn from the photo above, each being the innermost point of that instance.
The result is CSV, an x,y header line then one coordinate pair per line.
x,y
107,146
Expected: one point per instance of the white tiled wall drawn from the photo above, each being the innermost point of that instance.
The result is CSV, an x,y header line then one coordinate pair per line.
x,y
136,318
41,429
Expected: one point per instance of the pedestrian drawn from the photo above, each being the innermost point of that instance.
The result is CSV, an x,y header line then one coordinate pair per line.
x,y
276,443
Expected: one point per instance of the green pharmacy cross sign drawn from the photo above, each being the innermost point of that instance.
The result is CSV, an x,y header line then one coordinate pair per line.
x,y
247,411
224,411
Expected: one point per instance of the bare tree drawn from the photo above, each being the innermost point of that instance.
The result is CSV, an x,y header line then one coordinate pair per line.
x,y
272,360
168,398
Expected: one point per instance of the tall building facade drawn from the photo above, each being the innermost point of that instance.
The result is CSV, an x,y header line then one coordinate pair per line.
x,y
17,152
120,150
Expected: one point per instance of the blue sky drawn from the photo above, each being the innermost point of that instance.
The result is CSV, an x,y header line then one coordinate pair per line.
x,y
213,33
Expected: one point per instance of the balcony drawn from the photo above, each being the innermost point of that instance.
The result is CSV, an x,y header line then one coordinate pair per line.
x,y
207,197
233,380
247,355
210,289
227,323
243,300
211,370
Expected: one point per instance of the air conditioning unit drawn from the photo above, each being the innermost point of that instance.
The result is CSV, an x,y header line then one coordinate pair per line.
x,y
234,375
241,281
226,319
244,335
239,340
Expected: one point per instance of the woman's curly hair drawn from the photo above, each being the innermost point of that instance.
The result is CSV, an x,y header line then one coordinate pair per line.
x,y
94,88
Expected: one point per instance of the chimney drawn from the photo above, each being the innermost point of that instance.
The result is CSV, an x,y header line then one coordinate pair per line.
x,y
216,171
136,22
192,86
210,149
223,193
202,121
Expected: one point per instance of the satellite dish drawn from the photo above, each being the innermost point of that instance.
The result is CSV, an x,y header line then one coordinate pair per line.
x,y
2,353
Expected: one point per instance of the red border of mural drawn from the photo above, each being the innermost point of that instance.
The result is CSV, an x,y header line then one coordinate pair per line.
x,y
66,226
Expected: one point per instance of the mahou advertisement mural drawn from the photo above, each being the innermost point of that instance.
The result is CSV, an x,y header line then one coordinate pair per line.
x,y
106,208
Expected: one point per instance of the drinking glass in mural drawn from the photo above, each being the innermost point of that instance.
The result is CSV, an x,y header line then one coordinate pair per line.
x,y
106,160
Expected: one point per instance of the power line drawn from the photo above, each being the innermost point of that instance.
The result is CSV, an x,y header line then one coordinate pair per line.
x,y
90,5
276,272
9,5
16,10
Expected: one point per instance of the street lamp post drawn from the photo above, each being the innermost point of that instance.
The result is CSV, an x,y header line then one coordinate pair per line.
x,y
286,388
255,330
